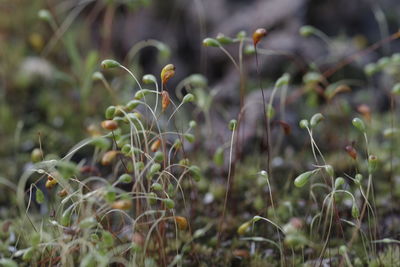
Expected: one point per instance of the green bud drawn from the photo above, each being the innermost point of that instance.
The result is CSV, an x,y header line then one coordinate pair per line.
x,y
108,239
339,182
270,111
303,124
152,197
45,15
36,155
232,125
28,254
241,35
110,112
372,163
355,211
142,93
359,124
109,64
315,119
303,178
97,76
284,80
188,98
35,239
195,172
370,69
329,170
159,156
211,42
312,77
126,149
192,124
169,203
249,49
189,137
139,165
132,104
223,39
342,250
149,78
219,156
39,196
125,178
154,169
383,62
307,30
66,217
157,187
198,80
88,223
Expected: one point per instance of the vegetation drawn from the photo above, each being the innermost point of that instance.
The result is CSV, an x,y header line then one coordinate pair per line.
x,y
105,165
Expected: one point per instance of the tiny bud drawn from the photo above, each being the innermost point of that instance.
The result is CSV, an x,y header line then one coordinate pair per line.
x,y
192,124
36,155
62,193
97,76
359,124
189,137
132,104
188,98
303,178
342,250
223,39
232,125
370,69
149,78
108,157
109,64
39,196
110,112
284,80
329,170
142,93
45,15
315,119
211,42
241,35
156,145
339,182
351,151
109,125
307,30
165,100
159,156
181,222
153,169
355,211
50,183
123,204
372,163
303,124
258,35
125,178
167,73
244,227
169,203
195,172
156,187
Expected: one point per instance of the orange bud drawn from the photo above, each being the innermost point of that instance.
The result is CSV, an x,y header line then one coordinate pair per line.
x,y
109,125
62,193
181,222
365,111
108,157
167,73
51,182
156,145
258,35
165,100
351,151
122,204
